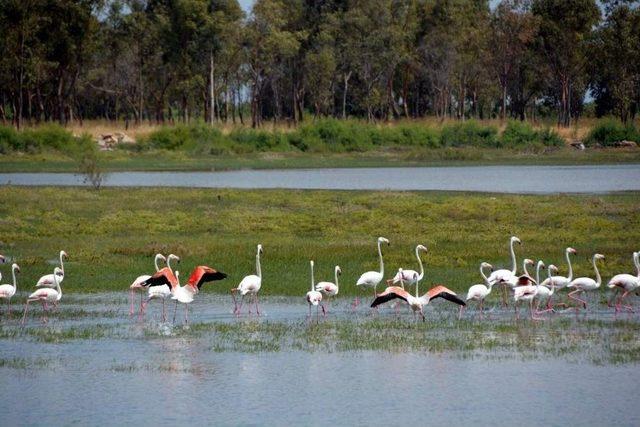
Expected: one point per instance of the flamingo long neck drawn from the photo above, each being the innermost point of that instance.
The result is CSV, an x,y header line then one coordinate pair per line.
x,y
513,259
524,268
155,262
636,261
570,267
486,279
335,273
13,273
258,269
420,262
58,288
538,273
381,262
595,267
169,263
553,284
61,263
312,279
417,281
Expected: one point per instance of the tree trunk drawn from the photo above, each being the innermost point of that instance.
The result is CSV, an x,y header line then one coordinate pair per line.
x,y
347,76
212,114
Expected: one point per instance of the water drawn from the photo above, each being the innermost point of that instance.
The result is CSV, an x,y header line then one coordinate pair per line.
x,y
499,179
133,375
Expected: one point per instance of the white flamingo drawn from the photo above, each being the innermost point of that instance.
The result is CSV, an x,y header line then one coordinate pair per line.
x,y
8,290
137,284
249,285
584,284
160,292
371,279
46,295
415,302
329,289
480,291
408,275
314,297
48,281
544,293
561,281
527,291
506,277
626,282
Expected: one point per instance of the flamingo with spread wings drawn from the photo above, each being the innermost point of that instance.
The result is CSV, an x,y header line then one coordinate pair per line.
x,y
184,294
415,302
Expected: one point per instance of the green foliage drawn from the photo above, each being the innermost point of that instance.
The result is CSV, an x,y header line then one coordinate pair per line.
x,y
522,134
610,131
469,133
46,138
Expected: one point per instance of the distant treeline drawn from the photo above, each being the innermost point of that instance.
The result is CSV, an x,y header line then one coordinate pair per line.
x,y
179,60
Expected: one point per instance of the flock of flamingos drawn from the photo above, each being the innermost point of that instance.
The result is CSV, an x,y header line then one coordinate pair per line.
x,y
165,283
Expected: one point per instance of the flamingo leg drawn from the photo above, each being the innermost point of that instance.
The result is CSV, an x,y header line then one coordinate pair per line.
x,y
186,314
9,307
45,319
570,295
24,315
324,311
355,303
460,313
422,314
175,310
255,297
164,313
240,306
505,295
131,297
619,305
309,316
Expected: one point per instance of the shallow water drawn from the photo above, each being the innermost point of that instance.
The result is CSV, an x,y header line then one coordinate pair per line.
x,y
147,372
499,179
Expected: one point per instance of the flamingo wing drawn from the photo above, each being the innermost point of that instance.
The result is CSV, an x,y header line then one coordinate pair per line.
x,y
525,280
443,292
392,292
203,274
162,277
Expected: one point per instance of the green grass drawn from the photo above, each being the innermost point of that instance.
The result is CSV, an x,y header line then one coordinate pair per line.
x,y
163,160
593,341
111,235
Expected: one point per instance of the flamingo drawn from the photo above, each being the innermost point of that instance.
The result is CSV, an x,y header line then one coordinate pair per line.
x,y
407,275
545,293
525,263
527,290
48,281
46,295
249,285
584,284
7,290
417,303
329,289
371,279
137,284
314,297
160,292
561,281
480,291
627,282
184,294
506,277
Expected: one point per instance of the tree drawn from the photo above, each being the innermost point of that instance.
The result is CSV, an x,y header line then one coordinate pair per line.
x,y
565,30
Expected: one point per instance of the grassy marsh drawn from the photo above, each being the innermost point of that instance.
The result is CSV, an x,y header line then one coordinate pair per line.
x,y
112,235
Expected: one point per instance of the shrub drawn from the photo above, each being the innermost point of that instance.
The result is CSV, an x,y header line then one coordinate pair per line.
x,y
521,134
48,137
609,131
470,133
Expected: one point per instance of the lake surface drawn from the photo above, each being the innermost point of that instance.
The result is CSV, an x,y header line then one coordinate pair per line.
x,y
498,179
143,372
